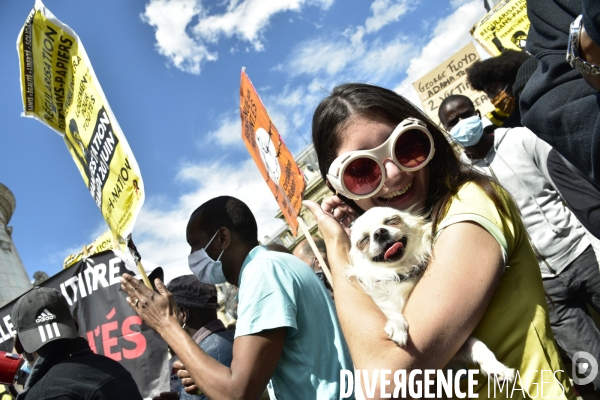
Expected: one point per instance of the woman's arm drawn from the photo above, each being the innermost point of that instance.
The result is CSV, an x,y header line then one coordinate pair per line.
x,y
442,311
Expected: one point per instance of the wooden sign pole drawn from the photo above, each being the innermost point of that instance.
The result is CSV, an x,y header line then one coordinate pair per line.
x,y
138,263
313,246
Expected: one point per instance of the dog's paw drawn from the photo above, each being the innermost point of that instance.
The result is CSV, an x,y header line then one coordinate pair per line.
x,y
397,330
497,370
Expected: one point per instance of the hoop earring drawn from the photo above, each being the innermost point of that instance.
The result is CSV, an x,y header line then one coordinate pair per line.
x,y
185,313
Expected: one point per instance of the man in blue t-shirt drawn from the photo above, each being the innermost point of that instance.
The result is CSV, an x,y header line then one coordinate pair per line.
x,y
287,330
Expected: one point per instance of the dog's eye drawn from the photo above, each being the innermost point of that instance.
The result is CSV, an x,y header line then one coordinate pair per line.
x,y
363,241
393,221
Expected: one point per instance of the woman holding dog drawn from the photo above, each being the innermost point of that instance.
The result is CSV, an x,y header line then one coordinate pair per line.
x,y
483,279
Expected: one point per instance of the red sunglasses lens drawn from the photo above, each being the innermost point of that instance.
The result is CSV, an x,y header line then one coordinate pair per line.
x,y
412,148
362,176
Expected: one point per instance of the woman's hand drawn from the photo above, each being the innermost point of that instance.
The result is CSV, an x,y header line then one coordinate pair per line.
x,y
334,233
341,211
329,225
158,310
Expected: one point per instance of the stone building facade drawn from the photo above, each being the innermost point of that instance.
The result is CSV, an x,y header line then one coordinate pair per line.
x,y
14,280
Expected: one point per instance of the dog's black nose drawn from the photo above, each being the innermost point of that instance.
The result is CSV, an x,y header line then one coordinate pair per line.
x,y
381,234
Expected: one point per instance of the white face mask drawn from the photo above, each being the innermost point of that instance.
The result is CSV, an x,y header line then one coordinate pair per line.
x,y
468,131
205,268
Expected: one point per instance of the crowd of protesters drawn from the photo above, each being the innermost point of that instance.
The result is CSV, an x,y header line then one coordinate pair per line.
x,y
514,201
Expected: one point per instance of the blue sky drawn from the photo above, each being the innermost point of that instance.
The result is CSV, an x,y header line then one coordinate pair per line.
x,y
170,70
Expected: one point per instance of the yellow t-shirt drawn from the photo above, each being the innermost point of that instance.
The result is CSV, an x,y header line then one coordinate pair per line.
x,y
4,394
515,326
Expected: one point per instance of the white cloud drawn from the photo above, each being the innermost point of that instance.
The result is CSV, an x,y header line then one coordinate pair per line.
x,y
243,19
383,12
160,230
385,59
186,44
228,133
352,55
449,35
342,59
322,55
170,19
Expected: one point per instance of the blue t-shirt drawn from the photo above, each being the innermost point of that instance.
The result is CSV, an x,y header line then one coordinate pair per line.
x,y
279,290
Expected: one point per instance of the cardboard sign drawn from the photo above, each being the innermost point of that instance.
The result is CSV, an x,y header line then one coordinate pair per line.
x,y
274,160
60,89
505,27
449,78
93,290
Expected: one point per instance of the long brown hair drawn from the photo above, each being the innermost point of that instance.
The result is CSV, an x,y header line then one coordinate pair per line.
x,y
447,173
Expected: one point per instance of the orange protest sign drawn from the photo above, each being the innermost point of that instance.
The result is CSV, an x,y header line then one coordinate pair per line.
x,y
274,160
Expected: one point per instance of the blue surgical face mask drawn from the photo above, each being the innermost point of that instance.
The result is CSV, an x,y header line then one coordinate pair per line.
x,y
205,268
468,131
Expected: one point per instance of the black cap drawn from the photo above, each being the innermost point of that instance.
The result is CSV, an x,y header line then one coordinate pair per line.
x,y
188,291
41,316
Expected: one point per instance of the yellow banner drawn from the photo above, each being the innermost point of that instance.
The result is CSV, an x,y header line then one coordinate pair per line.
x,y
449,78
272,157
102,243
505,27
60,89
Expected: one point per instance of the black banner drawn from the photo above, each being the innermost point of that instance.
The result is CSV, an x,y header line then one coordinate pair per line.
x,y
112,328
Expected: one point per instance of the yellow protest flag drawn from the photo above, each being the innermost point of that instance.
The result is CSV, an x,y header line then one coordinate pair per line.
x,y
102,243
60,89
505,27
272,157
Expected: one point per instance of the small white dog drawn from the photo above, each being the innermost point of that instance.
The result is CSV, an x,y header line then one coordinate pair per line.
x,y
390,250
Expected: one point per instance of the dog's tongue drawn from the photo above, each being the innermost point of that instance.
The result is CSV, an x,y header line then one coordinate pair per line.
x,y
392,250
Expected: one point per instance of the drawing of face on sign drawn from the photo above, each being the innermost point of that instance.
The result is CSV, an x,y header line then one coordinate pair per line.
x,y
76,146
268,154
519,39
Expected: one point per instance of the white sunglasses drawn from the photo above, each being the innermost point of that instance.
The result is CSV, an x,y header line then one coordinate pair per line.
x,y
360,174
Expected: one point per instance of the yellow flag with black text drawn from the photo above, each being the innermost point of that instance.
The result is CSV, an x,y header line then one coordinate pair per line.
x,y
102,243
505,27
60,89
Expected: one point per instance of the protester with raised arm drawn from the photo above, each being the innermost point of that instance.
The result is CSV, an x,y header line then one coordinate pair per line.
x,y
287,330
